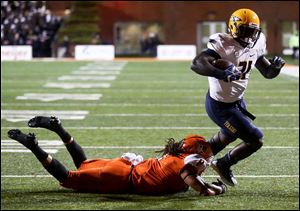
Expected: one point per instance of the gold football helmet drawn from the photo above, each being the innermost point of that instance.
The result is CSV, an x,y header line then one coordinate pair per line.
x,y
244,26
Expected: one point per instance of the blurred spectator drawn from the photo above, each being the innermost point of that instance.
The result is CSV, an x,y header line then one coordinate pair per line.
x,y
96,39
294,45
64,49
149,44
28,23
66,46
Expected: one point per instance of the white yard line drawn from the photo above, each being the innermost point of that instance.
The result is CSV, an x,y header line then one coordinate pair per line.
x,y
182,115
238,176
57,144
259,176
141,90
141,104
157,128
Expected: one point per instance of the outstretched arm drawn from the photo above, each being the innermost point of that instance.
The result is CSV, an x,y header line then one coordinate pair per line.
x,y
269,68
199,185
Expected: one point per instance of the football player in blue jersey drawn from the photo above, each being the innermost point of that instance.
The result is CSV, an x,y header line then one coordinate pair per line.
x,y
244,46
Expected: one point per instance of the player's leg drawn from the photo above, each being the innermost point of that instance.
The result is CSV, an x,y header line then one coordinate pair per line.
x,y
219,141
54,124
251,144
234,124
218,113
53,166
238,126
102,176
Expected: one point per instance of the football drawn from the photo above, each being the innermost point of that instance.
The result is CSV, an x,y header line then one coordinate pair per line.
x,y
221,63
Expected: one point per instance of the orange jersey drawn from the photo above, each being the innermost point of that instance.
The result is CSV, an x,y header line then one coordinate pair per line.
x,y
152,176
159,176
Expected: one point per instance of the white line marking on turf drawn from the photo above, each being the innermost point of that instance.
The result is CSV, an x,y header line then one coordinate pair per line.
x,y
43,112
41,143
259,176
106,68
239,176
183,115
163,90
87,78
53,97
139,105
77,85
157,128
27,150
12,146
58,144
96,72
159,147
25,115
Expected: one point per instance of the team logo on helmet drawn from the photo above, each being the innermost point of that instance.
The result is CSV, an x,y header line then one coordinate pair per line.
x,y
235,18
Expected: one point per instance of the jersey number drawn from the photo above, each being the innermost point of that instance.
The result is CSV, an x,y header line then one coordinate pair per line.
x,y
246,66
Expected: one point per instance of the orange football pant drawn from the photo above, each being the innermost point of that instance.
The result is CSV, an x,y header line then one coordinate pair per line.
x,y
101,175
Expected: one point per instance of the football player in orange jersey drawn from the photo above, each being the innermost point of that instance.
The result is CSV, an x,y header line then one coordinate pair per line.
x,y
179,168
245,47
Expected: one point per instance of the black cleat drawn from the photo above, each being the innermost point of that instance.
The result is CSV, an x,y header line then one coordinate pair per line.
x,y
28,141
225,173
50,123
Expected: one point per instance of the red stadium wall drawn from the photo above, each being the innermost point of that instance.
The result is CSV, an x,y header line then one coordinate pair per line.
x,y
180,18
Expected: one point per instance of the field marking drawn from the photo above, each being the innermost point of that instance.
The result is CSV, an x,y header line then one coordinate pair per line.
x,y
12,146
162,90
181,115
77,85
141,104
53,151
8,142
259,176
108,69
160,147
95,72
47,97
25,115
58,144
157,128
42,112
86,78
192,81
238,176
17,145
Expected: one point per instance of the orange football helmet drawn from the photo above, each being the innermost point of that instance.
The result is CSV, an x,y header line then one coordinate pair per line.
x,y
196,144
244,26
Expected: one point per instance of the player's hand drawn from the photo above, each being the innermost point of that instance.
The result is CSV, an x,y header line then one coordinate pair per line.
x,y
232,74
220,184
277,62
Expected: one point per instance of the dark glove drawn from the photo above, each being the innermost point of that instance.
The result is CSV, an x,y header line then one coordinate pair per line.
x,y
220,184
277,62
232,74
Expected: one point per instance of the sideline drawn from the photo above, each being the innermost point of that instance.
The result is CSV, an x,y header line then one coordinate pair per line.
x,y
291,70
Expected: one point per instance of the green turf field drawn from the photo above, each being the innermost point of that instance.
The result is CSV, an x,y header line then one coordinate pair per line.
x,y
147,103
